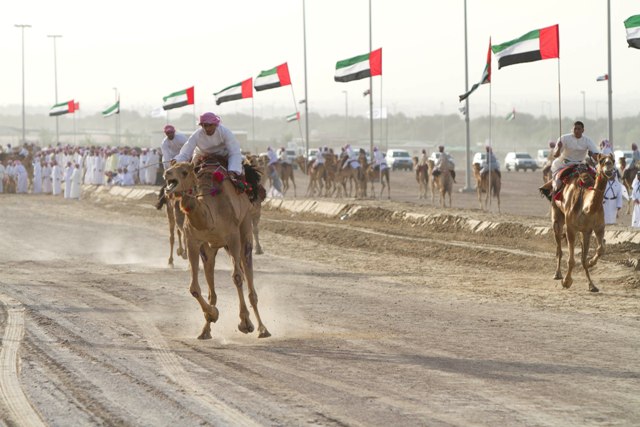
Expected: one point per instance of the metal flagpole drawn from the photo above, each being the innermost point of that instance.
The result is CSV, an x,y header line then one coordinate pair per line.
x,y
22,27
610,81
55,76
370,89
295,105
490,145
306,95
559,101
467,184
381,135
253,124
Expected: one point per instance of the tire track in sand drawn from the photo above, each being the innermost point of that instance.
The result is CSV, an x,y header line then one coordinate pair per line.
x,y
11,393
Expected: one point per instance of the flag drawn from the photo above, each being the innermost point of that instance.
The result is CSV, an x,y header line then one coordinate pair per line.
x,y
366,92
76,106
63,108
359,67
237,91
302,101
632,25
463,110
178,99
293,117
486,76
273,78
602,78
533,46
511,115
114,109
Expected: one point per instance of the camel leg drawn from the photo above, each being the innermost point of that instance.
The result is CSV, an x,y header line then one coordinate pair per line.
x,y
182,244
479,192
599,252
558,225
247,267
193,252
172,225
255,221
235,251
209,261
293,181
586,241
571,262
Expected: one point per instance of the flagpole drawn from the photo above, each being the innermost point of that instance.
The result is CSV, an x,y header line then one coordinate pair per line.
x,y
609,82
253,124
370,89
467,184
306,95
559,101
295,105
490,142
74,124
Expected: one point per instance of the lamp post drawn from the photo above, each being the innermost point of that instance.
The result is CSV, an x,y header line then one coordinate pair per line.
x,y
22,27
346,113
55,76
584,105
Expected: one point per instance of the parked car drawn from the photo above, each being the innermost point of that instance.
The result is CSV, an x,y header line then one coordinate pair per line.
x,y
519,161
399,160
628,156
479,158
312,154
541,157
436,155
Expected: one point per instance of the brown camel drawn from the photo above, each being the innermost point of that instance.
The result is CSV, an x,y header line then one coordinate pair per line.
x,y
422,177
285,170
176,224
442,181
627,180
580,211
374,175
256,205
482,185
217,216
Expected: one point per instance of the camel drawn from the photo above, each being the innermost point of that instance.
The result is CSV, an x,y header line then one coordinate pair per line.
x,y
285,171
345,173
482,185
443,182
217,216
422,176
313,173
580,211
256,205
176,218
374,175
627,180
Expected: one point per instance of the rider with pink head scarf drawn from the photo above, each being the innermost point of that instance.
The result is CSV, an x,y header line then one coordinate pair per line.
x,y
212,138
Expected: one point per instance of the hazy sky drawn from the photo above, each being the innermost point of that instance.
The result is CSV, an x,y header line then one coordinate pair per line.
x,y
150,49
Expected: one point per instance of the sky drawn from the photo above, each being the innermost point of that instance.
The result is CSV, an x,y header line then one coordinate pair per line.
x,y
148,50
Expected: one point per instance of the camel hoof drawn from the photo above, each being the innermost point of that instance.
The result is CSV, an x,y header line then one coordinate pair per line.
x,y
245,328
259,251
264,334
558,276
179,252
567,283
593,288
204,336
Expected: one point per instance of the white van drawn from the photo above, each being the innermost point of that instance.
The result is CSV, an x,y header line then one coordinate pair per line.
x,y
541,157
628,156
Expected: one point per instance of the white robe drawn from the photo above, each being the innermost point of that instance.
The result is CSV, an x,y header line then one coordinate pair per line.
x,y
67,181
75,183
22,179
37,178
46,179
635,196
56,178
1,178
151,171
612,200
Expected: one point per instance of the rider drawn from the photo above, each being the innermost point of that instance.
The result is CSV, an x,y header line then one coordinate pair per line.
x,y
570,150
379,160
171,145
490,163
635,159
438,165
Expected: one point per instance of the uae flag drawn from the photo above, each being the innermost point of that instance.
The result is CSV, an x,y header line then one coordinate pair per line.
x,y
533,46
293,117
632,25
178,99
275,77
602,78
63,108
240,90
114,109
511,115
359,67
486,76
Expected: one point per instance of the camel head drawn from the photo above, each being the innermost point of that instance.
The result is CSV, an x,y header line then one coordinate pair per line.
x,y
179,178
606,165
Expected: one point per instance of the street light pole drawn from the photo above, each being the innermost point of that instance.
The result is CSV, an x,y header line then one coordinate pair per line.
x,y
584,105
346,113
22,27
55,76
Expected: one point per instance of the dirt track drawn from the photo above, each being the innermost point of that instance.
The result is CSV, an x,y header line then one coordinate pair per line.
x,y
374,321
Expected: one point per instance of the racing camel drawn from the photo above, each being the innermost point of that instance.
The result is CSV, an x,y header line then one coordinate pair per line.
x,y
176,225
422,176
580,211
482,185
442,181
217,216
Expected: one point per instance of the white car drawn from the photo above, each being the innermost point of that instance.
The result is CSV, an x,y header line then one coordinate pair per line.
x,y
399,159
628,156
479,158
541,157
519,161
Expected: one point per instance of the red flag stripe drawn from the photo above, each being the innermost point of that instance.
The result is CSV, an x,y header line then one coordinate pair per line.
x,y
283,74
247,88
375,62
550,42
190,96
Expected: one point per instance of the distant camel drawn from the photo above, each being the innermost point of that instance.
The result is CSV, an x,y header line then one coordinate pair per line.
x,y
442,181
374,175
482,185
422,176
